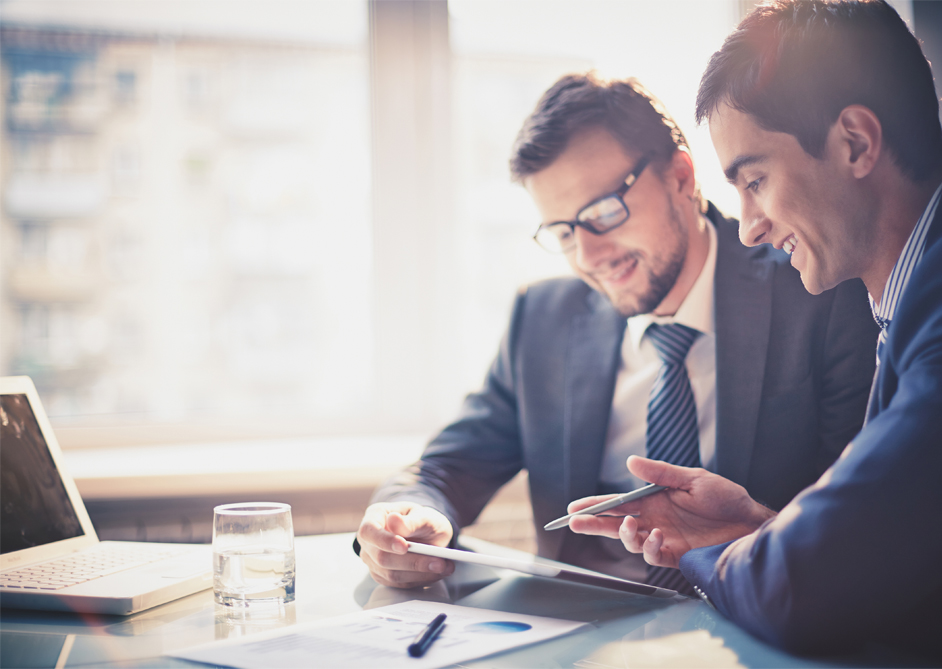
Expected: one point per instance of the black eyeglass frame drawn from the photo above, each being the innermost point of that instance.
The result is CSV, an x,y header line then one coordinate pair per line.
x,y
619,194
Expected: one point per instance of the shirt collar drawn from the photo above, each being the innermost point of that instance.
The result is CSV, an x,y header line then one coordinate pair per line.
x,y
696,311
905,265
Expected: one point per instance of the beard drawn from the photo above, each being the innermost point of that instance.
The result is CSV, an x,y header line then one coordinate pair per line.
x,y
661,271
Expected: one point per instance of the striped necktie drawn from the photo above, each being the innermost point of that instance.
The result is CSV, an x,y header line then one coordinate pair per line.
x,y
673,434
881,340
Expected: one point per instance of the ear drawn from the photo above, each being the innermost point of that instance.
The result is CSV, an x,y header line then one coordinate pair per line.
x,y
681,169
860,138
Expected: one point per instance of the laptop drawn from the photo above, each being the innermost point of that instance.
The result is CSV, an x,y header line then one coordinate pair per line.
x,y
50,555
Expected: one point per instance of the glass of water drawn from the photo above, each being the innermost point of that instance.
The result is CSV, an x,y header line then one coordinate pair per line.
x,y
253,554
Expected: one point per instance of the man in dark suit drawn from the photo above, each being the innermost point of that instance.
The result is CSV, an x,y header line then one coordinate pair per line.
x,y
579,382
825,118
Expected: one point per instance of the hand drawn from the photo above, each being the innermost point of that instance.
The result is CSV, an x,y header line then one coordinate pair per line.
x,y
699,509
382,536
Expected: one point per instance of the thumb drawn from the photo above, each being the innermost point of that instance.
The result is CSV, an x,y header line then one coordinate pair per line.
x,y
409,525
661,473
400,524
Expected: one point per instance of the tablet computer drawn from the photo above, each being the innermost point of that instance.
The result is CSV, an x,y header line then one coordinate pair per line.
x,y
574,574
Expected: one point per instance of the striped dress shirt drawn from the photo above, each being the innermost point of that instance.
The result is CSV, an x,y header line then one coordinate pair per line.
x,y
903,269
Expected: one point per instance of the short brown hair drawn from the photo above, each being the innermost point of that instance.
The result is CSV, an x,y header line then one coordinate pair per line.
x,y
793,65
578,102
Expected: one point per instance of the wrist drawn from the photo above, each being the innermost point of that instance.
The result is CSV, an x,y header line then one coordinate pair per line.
x,y
761,514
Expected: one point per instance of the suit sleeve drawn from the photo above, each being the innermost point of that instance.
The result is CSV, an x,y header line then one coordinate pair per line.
x,y
848,360
475,455
855,557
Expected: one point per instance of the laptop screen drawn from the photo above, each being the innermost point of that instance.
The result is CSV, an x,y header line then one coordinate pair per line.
x,y
34,506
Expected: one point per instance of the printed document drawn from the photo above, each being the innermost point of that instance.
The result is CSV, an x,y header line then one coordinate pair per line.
x,y
379,638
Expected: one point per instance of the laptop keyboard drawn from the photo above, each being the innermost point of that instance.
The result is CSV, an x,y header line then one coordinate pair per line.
x,y
88,564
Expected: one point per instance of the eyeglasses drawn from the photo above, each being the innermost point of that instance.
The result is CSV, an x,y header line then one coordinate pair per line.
x,y
598,217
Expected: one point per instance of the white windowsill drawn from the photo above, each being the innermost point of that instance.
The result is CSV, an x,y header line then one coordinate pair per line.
x,y
177,470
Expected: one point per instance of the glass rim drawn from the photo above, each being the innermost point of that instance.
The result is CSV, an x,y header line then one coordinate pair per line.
x,y
251,508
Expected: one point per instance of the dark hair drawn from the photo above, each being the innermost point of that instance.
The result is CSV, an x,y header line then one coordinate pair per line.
x,y
578,102
793,65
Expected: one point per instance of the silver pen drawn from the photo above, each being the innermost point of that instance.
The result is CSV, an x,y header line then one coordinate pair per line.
x,y
605,506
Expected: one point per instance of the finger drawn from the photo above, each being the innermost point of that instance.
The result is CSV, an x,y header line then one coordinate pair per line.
x,y
421,524
401,571
661,473
586,502
650,506
373,531
606,526
631,535
406,526
407,562
652,550
410,562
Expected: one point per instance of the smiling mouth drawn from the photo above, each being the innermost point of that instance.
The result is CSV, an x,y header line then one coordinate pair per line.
x,y
789,244
623,270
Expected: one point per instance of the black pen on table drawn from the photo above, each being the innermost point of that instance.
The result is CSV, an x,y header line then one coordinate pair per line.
x,y
425,638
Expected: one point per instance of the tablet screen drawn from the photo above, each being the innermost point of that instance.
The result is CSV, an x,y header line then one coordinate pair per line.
x,y
545,570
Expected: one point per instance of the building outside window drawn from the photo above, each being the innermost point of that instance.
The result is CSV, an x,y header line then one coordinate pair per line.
x,y
226,220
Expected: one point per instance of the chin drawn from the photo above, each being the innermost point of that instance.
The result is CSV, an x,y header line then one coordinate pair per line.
x,y
633,305
815,284
811,286
627,310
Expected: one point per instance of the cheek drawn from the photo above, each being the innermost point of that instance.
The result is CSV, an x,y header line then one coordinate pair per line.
x,y
571,260
804,198
648,233
623,240
789,208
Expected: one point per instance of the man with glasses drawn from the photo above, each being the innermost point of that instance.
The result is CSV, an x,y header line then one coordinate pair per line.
x,y
675,341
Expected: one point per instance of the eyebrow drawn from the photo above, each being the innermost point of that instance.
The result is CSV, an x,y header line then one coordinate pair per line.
x,y
732,171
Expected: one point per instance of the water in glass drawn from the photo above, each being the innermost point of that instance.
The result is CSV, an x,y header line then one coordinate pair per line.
x,y
253,554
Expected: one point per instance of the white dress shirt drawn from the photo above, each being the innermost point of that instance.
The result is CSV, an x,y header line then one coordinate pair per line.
x,y
640,364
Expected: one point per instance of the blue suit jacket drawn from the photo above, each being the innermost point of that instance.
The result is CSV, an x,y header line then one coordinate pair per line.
x,y
793,372
857,557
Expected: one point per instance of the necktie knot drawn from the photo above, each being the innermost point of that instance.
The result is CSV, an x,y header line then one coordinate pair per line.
x,y
672,341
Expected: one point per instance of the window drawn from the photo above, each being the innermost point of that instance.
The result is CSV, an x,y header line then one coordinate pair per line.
x,y
188,212
290,217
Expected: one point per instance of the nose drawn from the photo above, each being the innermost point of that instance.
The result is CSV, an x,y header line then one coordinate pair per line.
x,y
754,226
591,250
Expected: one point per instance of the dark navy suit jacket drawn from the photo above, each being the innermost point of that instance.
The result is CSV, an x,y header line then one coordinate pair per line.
x,y
793,372
857,557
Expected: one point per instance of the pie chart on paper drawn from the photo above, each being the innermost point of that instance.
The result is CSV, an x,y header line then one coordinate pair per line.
x,y
498,627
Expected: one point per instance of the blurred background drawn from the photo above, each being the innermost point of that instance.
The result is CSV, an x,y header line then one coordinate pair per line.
x,y
231,228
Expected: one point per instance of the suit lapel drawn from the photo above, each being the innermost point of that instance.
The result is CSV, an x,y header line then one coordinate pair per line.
x,y
591,367
875,403
743,306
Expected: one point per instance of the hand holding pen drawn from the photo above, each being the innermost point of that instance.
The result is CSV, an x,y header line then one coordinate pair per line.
x,y
605,505
698,509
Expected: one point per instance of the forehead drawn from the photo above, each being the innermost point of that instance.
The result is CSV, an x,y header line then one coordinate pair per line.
x,y
592,165
740,142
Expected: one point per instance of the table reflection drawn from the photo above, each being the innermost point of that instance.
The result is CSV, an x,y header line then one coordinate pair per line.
x,y
626,630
